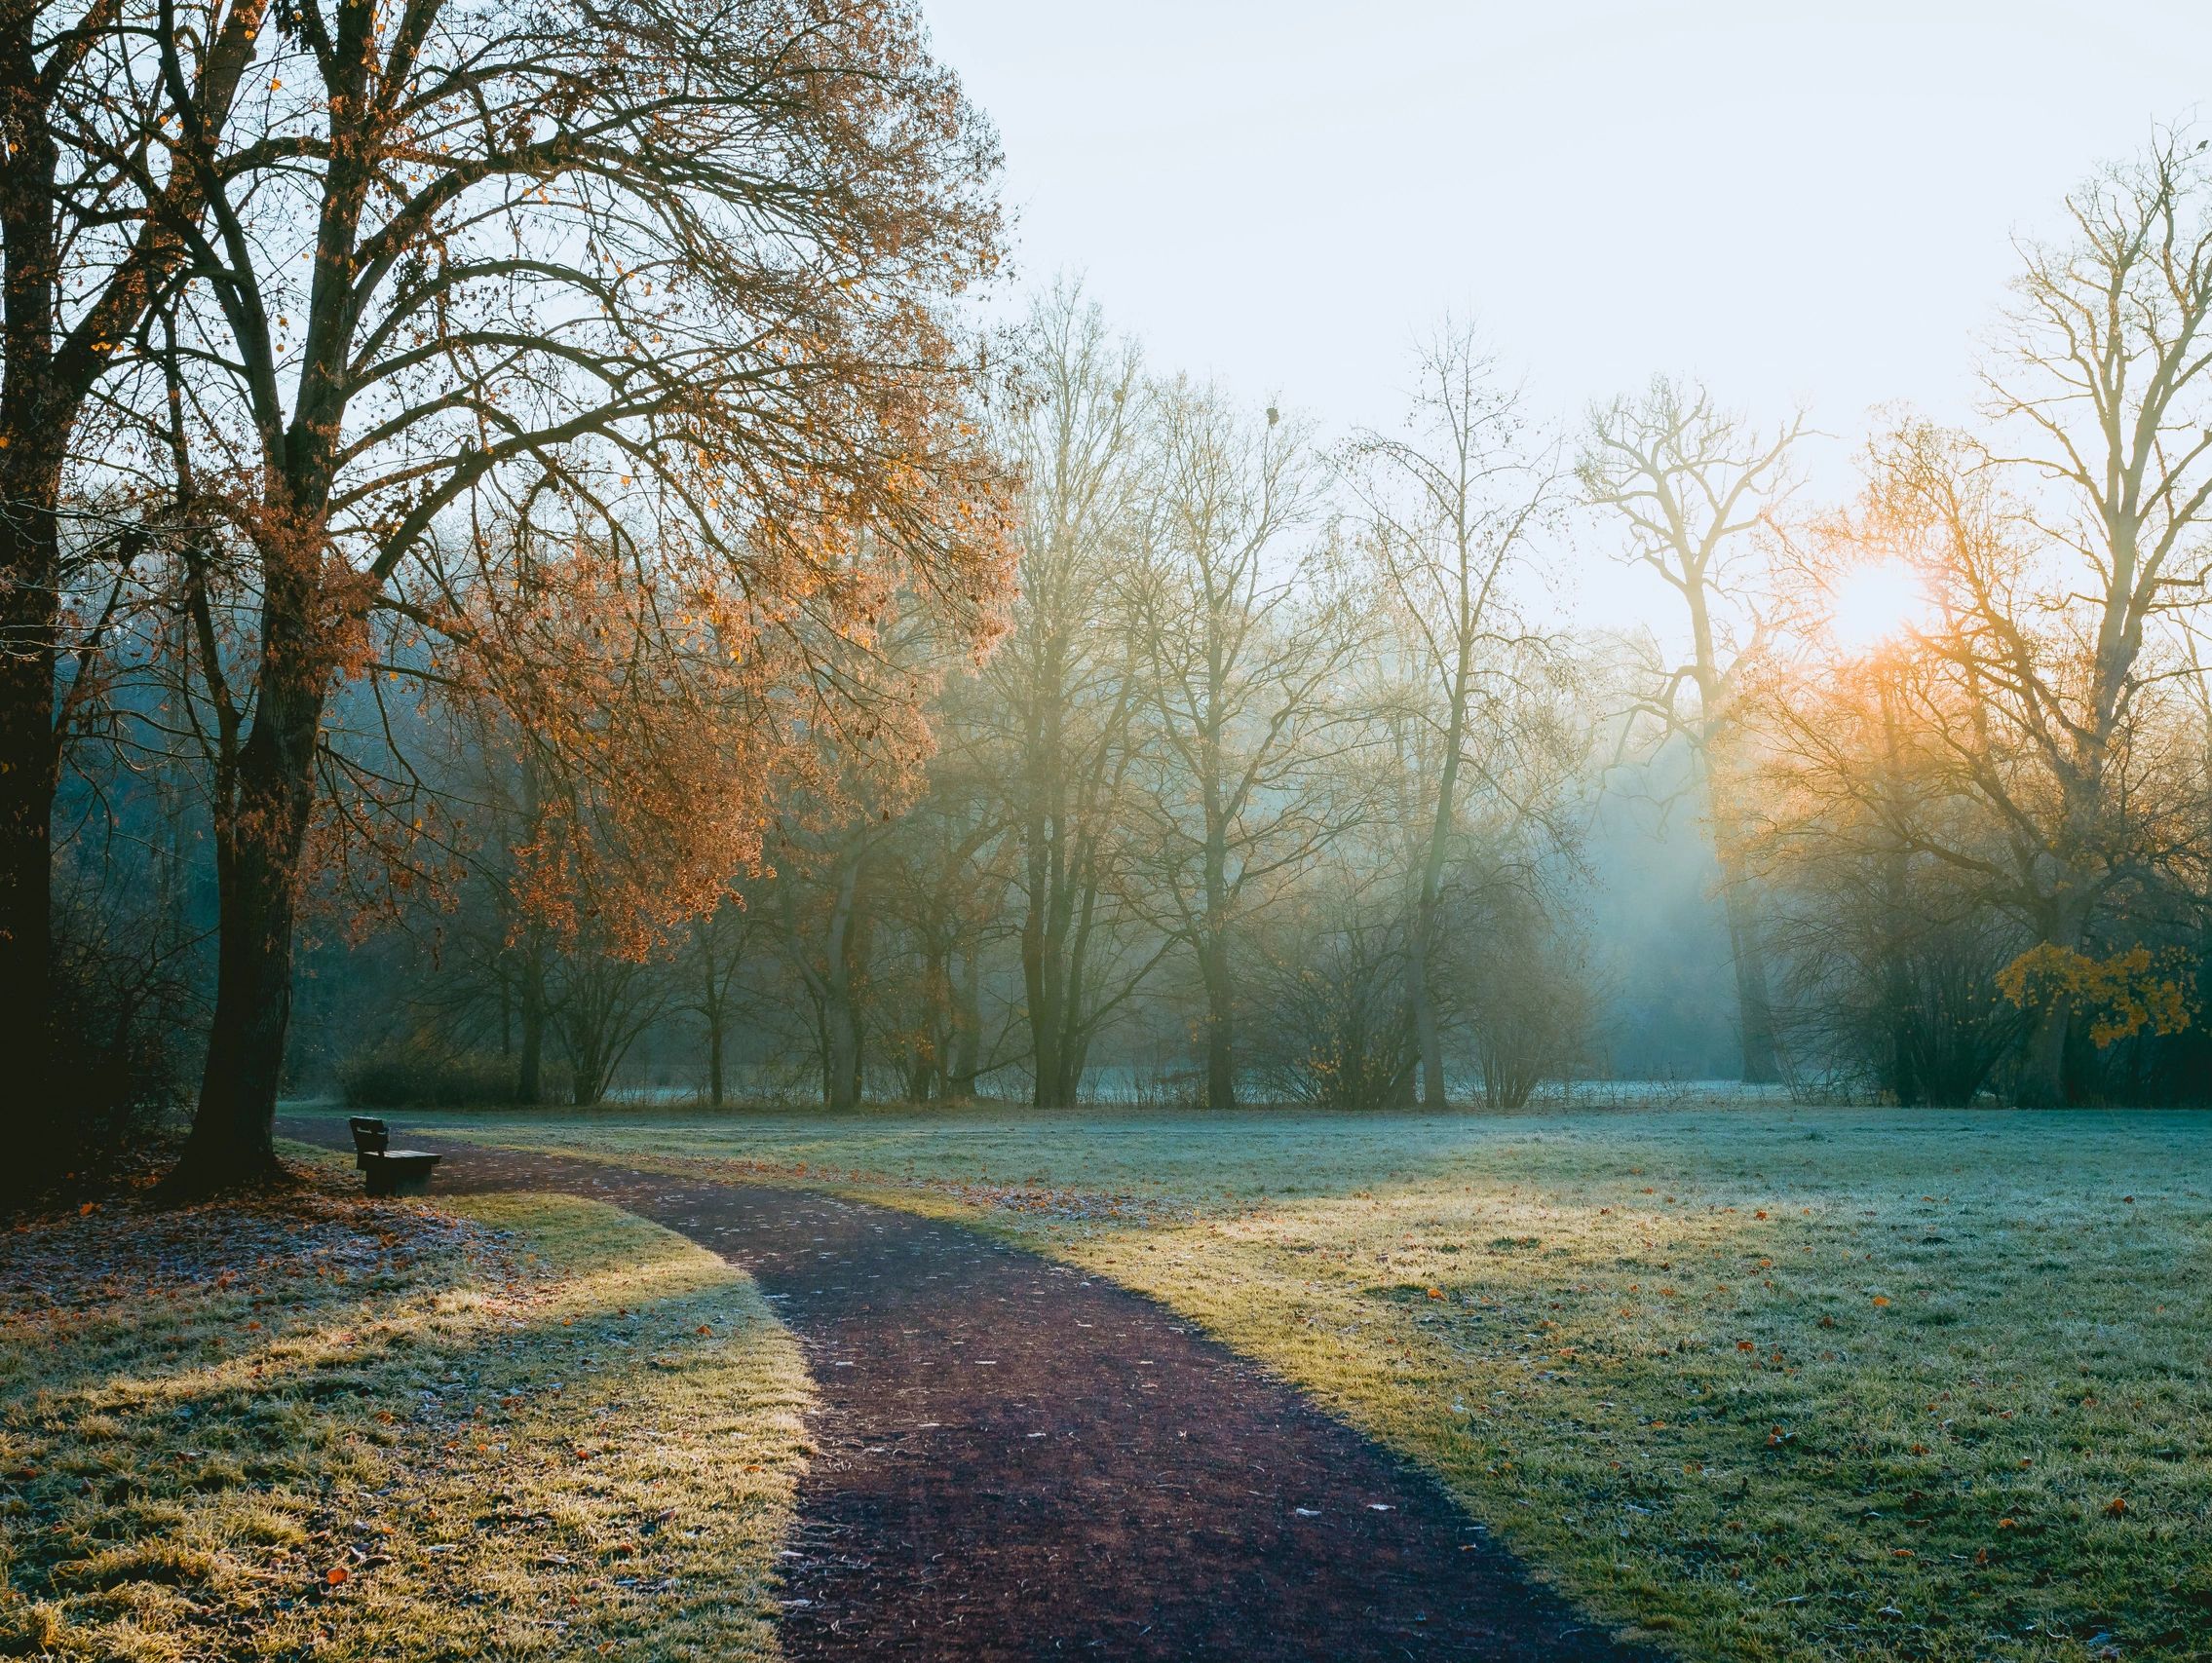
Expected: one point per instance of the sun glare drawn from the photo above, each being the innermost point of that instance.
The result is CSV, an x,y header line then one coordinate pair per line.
x,y
1874,605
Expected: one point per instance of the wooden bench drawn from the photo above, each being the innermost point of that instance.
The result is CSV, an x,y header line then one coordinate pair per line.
x,y
388,1171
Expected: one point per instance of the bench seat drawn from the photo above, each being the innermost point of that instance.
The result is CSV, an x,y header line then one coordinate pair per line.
x,y
397,1171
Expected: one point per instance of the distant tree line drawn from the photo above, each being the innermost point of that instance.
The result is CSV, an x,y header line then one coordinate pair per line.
x,y
511,503
1277,789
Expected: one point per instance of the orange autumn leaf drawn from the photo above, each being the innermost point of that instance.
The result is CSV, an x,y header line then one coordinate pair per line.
x,y
334,1575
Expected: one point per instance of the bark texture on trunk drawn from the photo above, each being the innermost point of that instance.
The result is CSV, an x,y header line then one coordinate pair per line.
x,y
260,837
32,431
27,779
1220,1026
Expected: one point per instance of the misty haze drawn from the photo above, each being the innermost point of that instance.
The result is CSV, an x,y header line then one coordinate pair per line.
x,y
902,827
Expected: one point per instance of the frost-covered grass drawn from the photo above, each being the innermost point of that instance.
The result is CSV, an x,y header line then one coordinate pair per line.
x,y
1763,1384
513,1426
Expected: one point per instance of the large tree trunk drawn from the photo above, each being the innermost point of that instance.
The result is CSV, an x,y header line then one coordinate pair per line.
x,y
1041,986
28,776
33,431
260,835
1220,1026
842,1082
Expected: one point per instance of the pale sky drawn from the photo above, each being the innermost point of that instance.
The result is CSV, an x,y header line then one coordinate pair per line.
x,y
1793,201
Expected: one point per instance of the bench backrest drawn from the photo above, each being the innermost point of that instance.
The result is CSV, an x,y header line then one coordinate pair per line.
x,y
369,1136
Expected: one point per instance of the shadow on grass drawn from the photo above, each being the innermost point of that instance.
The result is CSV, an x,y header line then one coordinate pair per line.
x,y
523,1437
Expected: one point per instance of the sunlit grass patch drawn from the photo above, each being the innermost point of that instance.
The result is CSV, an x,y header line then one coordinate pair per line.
x,y
1764,1385
503,1426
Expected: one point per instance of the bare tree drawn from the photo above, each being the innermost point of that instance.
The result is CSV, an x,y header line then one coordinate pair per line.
x,y
1450,504
2081,823
1693,483
1245,650
825,896
2104,372
1895,891
1067,684
709,964
944,880
1332,1023
606,999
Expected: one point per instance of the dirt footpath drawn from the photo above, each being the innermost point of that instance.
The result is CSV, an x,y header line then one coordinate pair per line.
x,y
1019,1462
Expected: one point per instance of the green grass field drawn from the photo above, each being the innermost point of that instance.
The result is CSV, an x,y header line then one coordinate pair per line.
x,y
321,1426
1760,1384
